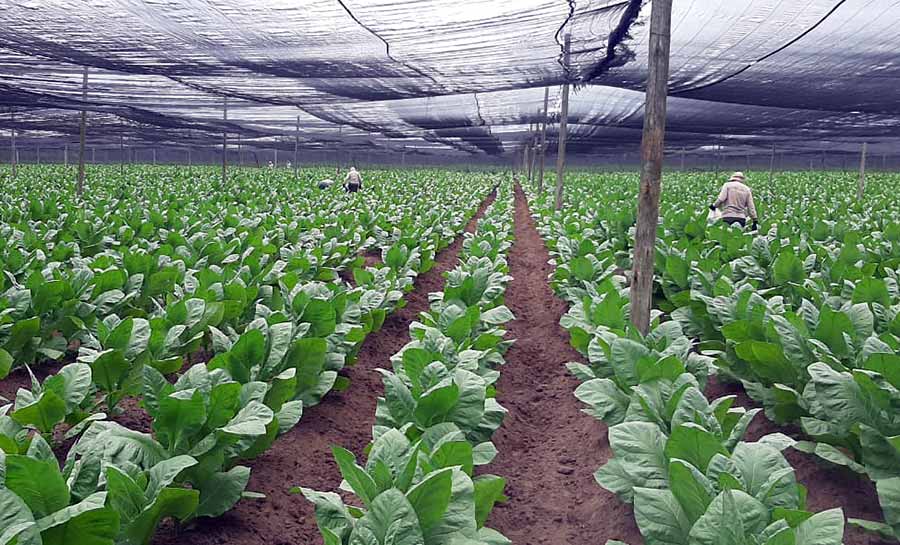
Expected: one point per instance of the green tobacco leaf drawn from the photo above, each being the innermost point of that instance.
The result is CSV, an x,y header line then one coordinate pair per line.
x,y
488,491
731,518
362,484
39,484
221,491
660,517
85,523
44,414
694,444
691,488
825,528
431,497
391,520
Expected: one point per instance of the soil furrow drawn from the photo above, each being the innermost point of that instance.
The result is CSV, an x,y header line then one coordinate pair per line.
x,y
548,449
303,455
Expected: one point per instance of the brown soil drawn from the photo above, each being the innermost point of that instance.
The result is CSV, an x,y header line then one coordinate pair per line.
x,y
548,449
302,457
829,486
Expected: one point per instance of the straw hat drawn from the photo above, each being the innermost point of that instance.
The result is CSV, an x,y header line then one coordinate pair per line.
x,y
737,177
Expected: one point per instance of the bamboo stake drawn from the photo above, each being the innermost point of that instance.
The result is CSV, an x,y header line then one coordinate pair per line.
x,y
13,153
543,141
225,142
652,149
296,146
861,189
563,129
79,188
772,165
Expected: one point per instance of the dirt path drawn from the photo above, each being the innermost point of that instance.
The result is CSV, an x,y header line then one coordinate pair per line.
x,y
548,449
303,455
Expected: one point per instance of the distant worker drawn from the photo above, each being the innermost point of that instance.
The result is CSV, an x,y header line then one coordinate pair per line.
x,y
326,183
353,181
736,202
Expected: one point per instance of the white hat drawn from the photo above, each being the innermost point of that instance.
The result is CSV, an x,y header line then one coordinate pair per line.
x,y
737,177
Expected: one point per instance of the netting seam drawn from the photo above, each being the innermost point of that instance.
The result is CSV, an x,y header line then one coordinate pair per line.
x,y
387,45
562,48
617,53
766,56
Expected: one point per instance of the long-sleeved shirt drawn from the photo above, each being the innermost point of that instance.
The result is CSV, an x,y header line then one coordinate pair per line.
x,y
353,178
736,201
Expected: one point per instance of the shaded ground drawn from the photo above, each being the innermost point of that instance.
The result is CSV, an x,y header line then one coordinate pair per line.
x,y
303,455
548,449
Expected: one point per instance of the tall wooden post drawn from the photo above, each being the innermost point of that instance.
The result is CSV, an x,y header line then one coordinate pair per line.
x,y
153,151
772,165
240,160
37,155
13,153
276,156
122,154
225,142
862,173
545,116
563,129
652,149
296,147
79,188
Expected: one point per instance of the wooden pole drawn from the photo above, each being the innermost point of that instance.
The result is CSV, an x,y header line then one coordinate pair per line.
x,y
240,160
37,155
13,153
296,146
652,149
544,119
225,142
154,156
563,128
66,155
772,165
276,157
862,172
79,188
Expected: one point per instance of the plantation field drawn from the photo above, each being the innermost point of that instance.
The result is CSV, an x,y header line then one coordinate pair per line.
x,y
444,359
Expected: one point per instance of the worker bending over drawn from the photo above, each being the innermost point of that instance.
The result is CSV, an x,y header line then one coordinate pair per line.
x,y
353,181
736,202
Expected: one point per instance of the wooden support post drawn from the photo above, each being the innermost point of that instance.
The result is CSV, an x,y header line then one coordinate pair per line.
x,y
652,149
66,155
37,155
122,154
296,147
276,156
563,128
13,152
240,160
772,165
154,156
861,189
544,119
225,142
79,188
93,155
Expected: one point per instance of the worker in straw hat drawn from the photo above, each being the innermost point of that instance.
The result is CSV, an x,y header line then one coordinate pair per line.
x,y
736,202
